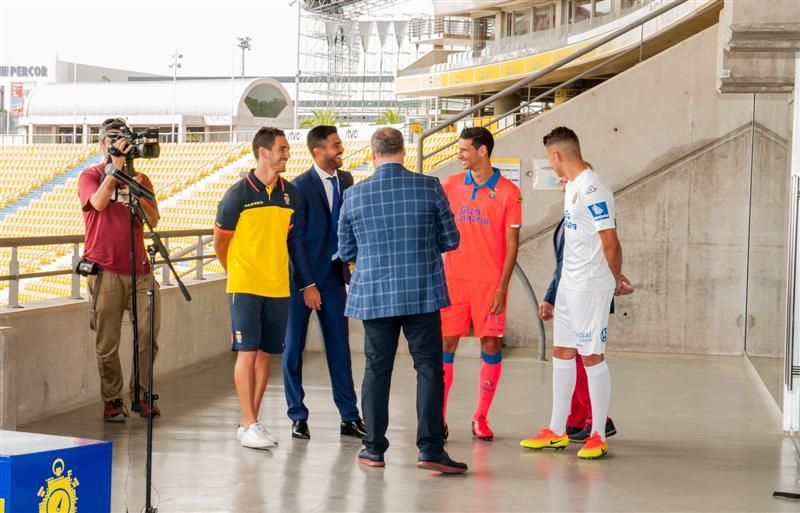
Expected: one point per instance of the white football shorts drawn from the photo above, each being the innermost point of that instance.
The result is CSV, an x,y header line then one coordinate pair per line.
x,y
581,320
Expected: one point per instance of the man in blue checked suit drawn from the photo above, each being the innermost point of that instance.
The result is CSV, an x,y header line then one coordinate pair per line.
x,y
395,225
318,283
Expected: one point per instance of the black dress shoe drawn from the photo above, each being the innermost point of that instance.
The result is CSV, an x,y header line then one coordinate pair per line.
x,y
442,463
300,430
586,432
354,428
370,459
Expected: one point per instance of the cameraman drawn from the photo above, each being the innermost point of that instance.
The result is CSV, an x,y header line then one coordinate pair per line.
x,y
105,203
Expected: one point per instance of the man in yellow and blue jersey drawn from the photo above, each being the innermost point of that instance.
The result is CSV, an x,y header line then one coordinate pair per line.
x,y
253,237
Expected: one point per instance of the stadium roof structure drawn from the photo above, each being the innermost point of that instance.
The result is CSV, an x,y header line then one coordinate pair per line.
x,y
222,99
349,8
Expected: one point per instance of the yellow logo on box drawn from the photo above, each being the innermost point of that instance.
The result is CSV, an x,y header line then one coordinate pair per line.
x,y
60,495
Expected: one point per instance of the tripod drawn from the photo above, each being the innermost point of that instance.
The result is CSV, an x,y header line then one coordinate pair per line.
x,y
136,192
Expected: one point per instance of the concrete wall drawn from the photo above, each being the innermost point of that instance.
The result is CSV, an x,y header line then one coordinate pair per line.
x,y
51,350
678,154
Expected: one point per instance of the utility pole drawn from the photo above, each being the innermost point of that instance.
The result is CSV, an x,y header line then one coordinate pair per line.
x,y
244,44
176,57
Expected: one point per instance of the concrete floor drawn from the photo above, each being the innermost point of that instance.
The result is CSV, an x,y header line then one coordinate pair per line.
x,y
696,434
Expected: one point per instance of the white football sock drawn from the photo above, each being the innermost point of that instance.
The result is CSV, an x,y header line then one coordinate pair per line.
x,y
600,395
563,387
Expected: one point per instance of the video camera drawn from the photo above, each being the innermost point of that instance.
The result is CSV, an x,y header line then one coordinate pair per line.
x,y
143,145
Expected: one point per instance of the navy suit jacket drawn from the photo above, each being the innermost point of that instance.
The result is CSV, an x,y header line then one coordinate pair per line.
x,y
558,248
315,239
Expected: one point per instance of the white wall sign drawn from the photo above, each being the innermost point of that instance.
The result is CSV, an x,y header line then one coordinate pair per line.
x,y
509,168
544,178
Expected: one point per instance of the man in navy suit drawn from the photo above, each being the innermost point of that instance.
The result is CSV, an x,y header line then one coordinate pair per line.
x,y
318,283
395,225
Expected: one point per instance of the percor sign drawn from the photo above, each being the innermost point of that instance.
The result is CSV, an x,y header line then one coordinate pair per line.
x,y
23,71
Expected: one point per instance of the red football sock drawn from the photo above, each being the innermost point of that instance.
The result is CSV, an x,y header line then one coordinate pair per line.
x,y
447,365
491,369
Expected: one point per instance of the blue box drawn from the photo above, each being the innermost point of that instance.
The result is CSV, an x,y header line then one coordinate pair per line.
x,y
54,474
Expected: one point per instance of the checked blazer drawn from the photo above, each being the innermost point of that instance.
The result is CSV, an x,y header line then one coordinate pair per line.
x,y
394,226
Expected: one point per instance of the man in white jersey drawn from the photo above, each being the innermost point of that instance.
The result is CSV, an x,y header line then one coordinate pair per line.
x,y
590,277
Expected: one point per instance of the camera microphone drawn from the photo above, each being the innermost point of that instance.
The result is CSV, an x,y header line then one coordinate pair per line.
x,y
135,187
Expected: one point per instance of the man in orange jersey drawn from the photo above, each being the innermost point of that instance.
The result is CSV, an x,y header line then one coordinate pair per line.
x,y
488,213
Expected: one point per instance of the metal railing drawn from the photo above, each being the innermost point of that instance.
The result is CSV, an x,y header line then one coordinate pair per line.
x,y
550,39
440,27
198,248
530,79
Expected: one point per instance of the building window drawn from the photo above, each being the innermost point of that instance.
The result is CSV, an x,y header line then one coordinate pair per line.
x,y
580,10
522,22
544,17
265,101
631,4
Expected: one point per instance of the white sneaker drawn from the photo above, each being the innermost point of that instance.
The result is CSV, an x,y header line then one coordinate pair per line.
x,y
240,434
269,435
255,437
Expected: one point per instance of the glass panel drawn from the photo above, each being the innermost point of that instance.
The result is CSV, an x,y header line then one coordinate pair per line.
x,y
602,7
544,17
522,22
768,237
264,101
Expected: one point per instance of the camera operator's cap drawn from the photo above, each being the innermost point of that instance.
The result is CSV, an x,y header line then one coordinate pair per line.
x,y
112,124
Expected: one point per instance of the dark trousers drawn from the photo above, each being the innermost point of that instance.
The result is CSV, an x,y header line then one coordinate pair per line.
x,y
335,336
424,335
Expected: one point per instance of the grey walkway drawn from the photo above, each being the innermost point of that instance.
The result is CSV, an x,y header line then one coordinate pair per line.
x,y
695,435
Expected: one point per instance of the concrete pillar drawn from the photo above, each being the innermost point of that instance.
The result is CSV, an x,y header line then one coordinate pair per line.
x,y
8,378
502,106
560,8
181,131
506,104
499,29
85,135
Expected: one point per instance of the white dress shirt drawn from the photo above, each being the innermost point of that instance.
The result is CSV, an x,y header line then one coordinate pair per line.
x,y
324,176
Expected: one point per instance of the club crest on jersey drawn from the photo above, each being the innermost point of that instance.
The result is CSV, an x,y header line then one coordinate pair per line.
x,y
286,198
591,189
599,211
492,193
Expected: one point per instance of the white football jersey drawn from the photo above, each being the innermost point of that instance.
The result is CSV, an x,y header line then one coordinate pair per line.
x,y
588,209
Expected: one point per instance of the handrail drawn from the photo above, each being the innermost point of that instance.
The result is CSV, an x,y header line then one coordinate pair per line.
x,y
536,99
21,242
542,348
14,276
536,76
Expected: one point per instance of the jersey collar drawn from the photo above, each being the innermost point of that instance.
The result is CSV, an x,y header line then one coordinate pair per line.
x,y
491,183
256,184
